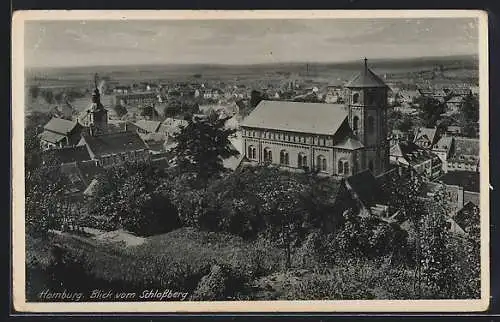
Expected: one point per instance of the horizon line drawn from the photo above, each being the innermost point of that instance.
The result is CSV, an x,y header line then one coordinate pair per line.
x,y
475,55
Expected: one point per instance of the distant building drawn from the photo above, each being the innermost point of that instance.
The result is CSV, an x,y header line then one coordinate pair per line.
x,y
136,99
453,104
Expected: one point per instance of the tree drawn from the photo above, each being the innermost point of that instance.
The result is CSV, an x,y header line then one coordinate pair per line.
x,y
430,110
469,116
202,146
255,98
136,198
435,261
44,199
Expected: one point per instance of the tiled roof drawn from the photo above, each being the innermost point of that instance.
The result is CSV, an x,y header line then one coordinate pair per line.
x,y
72,154
366,78
148,126
172,125
444,143
51,137
60,126
319,118
466,146
421,132
114,143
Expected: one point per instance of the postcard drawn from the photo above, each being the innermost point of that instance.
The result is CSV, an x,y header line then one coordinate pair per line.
x,y
250,161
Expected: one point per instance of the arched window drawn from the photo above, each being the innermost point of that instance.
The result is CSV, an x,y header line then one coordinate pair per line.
x,y
321,163
346,167
370,165
343,166
284,158
268,155
252,153
371,124
302,160
355,98
355,123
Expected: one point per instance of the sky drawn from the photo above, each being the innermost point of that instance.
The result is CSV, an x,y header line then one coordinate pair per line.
x,y
128,42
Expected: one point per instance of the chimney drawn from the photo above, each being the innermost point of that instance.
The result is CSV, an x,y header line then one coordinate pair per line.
x,y
366,66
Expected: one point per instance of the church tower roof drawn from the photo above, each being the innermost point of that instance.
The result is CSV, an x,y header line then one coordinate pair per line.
x,y
366,78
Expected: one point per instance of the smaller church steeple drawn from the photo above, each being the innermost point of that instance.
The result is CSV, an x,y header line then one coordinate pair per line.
x,y
366,66
97,114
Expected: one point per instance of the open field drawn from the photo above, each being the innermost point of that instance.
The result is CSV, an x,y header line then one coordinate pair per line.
x,y
330,73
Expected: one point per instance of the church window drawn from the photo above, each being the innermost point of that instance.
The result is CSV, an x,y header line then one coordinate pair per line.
x,y
284,158
355,124
268,155
355,98
321,163
302,160
343,166
371,124
252,152
346,167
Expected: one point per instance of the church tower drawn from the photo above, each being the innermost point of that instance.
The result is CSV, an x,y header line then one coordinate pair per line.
x,y
366,98
97,115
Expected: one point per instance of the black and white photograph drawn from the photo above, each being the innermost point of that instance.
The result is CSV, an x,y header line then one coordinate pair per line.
x,y
250,160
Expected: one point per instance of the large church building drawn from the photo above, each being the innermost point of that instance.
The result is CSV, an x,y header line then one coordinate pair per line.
x,y
336,139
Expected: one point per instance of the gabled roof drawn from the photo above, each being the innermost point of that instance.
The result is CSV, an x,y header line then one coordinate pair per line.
x,y
366,78
61,126
444,143
72,154
422,132
466,146
148,126
114,143
367,188
318,118
51,137
350,143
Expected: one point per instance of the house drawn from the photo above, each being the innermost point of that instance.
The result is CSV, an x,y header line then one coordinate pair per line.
x,y
468,182
465,155
406,97
58,133
338,140
135,99
426,137
115,148
453,104
146,126
122,89
421,161
443,149
172,126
